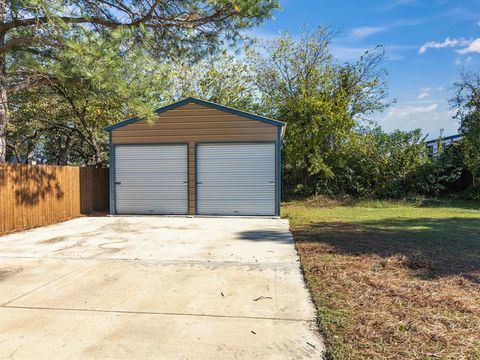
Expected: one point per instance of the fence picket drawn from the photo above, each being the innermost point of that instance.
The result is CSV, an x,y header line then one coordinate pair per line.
x,y
38,195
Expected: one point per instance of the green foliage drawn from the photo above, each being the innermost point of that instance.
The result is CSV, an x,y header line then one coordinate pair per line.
x,y
322,102
168,27
101,57
86,75
319,128
375,163
470,128
467,102
97,83
327,148
440,175
221,79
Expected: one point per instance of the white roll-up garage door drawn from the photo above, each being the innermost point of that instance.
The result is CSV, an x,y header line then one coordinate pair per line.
x,y
151,179
236,179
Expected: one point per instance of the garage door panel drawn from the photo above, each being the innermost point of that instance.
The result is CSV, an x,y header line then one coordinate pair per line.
x,y
240,209
141,196
135,207
167,165
239,162
240,197
234,151
151,179
236,179
233,182
171,171
221,193
233,172
131,177
168,171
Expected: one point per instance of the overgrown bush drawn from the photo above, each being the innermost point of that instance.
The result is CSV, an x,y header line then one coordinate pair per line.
x,y
326,150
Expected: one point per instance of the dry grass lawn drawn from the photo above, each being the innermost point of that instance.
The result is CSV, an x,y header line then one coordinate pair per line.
x,y
392,280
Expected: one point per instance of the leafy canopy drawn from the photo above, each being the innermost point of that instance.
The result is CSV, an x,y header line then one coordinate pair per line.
x,y
467,102
321,100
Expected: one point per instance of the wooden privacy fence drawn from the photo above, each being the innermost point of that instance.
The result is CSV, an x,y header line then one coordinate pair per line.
x,y
37,195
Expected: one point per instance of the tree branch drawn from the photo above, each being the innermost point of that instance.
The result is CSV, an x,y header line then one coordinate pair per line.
x,y
188,20
29,81
23,41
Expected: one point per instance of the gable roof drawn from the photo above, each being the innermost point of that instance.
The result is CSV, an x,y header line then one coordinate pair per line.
x,y
192,100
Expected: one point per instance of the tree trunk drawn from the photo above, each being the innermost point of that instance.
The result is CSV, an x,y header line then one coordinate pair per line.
x,y
13,149
3,92
3,122
65,151
97,158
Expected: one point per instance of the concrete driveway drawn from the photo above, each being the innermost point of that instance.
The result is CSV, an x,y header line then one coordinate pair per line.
x,y
155,288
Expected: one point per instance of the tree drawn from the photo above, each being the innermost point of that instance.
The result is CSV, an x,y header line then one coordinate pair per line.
x,y
96,84
31,30
28,109
221,79
322,102
440,174
467,103
373,163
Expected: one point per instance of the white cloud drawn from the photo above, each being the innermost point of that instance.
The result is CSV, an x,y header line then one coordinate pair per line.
x,y
429,117
407,111
423,95
365,31
445,44
391,4
474,46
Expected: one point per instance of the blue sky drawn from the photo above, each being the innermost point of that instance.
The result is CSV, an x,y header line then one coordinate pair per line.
x,y
428,44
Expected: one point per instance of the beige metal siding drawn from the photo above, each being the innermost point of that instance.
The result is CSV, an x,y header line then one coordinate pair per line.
x,y
192,124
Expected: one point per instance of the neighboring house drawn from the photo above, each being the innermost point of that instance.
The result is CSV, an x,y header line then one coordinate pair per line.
x,y
196,158
433,145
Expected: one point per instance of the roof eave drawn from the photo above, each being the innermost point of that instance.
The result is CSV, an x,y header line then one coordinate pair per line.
x,y
204,103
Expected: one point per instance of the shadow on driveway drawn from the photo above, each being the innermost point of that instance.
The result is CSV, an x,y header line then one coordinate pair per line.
x,y
267,235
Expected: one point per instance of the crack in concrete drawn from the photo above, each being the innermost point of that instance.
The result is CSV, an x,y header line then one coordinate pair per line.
x,y
294,265
42,286
158,313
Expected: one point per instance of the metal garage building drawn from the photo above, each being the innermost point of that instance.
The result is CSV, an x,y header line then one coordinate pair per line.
x,y
197,158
